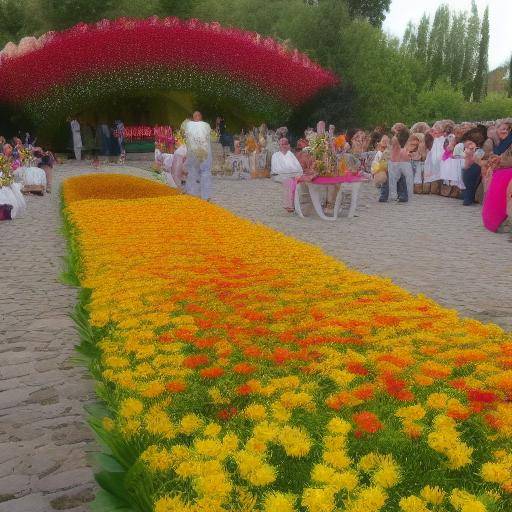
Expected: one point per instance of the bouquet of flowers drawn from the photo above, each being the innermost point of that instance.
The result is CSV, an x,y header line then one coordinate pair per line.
x,y
6,177
26,157
325,159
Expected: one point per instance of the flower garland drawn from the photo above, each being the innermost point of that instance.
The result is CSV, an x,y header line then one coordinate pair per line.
x,y
276,378
143,50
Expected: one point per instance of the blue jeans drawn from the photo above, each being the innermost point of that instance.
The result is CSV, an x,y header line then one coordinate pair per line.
x,y
401,190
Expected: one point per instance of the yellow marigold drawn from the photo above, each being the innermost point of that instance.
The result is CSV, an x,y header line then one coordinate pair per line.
x,y
158,422
496,472
465,502
323,474
208,447
413,413
318,499
388,474
254,469
215,485
413,504
157,458
437,400
130,407
190,423
212,430
172,504
295,441
230,442
339,426
216,396
266,431
280,413
347,480
130,427
255,412
339,459
152,389
117,362
369,499
279,502
369,461
108,424
434,495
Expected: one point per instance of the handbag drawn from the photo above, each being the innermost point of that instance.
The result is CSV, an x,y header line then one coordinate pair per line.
x,y
5,211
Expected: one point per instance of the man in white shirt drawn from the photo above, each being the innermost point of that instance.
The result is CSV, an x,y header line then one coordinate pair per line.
x,y
284,163
199,156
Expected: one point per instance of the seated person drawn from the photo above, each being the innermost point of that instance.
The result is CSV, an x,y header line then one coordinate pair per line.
x,y
285,168
471,173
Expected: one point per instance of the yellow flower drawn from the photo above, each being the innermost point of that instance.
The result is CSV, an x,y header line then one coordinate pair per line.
x,y
174,504
190,423
255,412
278,502
497,473
434,495
388,475
413,504
107,423
212,430
318,500
295,441
130,407
339,426
158,459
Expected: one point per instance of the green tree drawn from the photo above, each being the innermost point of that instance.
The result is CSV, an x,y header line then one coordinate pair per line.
x,y
470,52
410,40
509,90
437,48
422,39
480,82
372,10
60,14
456,49
440,103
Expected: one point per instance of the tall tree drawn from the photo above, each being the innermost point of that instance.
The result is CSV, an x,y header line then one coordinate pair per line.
x,y
422,39
470,52
372,10
509,91
480,82
456,48
410,40
437,44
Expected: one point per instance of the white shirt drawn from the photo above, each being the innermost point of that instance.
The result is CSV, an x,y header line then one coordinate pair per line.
x,y
77,138
197,137
285,166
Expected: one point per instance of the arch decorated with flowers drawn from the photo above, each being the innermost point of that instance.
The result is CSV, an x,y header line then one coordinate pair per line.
x,y
61,73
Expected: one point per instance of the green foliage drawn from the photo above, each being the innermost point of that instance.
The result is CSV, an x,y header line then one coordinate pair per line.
x,y
493,106
372,10
441,102
509,89
61,14
480,82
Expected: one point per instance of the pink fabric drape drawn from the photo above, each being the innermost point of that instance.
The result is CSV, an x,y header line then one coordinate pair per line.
x,y
494,210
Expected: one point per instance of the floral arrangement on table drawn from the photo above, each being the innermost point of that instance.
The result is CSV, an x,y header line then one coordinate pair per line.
x,y
6,177
276,380
86,62
325,158
26,157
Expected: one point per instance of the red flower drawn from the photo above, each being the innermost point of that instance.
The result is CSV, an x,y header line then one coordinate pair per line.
x,y
357,368
476,395
244,389
213,372
367,422
195,361
227,414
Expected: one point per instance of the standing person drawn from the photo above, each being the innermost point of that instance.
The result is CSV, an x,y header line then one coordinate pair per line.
x,y
199,156
77,138
119,135
400,166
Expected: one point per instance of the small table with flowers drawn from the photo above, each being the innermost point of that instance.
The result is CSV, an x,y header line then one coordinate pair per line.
x,y
315,186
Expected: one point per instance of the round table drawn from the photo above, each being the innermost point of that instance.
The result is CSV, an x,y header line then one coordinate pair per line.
x,y
316,186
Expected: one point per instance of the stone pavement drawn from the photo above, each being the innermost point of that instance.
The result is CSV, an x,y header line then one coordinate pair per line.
x,y
44,439
433,245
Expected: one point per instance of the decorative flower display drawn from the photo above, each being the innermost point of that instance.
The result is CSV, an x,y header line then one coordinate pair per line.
x,y
6,177
90,61
245,370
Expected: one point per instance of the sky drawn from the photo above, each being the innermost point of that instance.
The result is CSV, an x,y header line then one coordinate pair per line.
x,y
500,17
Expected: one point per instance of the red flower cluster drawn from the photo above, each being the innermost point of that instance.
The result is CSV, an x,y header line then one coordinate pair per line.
x,y
86,51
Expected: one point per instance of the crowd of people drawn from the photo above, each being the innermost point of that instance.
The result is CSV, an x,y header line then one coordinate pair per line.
x,y
469,161
456,160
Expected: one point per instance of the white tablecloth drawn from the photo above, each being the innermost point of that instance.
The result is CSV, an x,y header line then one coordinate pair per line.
x,y
30,176
12,195
451,172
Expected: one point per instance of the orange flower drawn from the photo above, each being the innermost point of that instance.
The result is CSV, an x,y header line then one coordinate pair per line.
x,y
367,422
195,361
244,368
214,372
176,386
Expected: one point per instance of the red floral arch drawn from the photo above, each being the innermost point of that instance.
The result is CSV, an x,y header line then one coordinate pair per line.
x,y
61,72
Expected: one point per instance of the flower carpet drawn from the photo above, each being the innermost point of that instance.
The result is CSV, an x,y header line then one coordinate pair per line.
x,y
243,370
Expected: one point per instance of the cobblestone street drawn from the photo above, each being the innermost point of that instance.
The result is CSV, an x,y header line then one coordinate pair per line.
x,y
432,245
